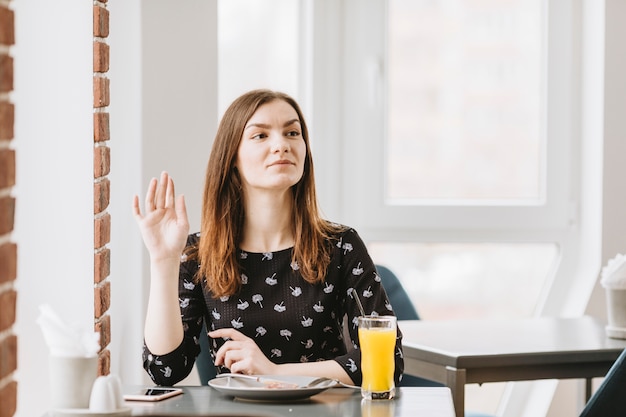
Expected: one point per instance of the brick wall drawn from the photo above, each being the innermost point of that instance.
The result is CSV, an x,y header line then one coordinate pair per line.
x,y
8,249
102,186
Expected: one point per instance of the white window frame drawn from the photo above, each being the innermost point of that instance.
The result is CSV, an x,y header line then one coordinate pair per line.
x,y
348,132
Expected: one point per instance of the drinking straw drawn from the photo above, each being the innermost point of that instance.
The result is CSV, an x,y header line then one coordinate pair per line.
x,y
358,302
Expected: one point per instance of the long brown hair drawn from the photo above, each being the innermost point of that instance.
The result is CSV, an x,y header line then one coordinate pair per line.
x,y
223,210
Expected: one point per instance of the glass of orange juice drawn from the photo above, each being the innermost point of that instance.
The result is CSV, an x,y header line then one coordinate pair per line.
x,y
377,337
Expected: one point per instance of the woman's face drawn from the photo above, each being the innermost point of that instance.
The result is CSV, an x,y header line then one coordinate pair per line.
x,y
272,151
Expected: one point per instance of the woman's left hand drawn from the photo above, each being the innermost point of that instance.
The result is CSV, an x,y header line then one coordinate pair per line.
x,y
241,354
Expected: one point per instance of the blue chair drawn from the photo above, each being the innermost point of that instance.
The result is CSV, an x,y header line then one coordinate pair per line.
x,y
609,399
204,361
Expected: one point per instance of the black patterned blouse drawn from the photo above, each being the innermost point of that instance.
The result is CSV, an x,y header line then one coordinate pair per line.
x,y
289,319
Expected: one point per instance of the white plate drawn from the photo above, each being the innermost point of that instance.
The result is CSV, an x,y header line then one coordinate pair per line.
x,y
253,390
85,412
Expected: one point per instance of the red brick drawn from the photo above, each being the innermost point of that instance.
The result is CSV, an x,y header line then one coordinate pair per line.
x,y
7,117
6,73
101,161
101,132
7,214
8,356
100,22
8,303
7,168
102,230
8,262
8,399
102,265
103,326
104,362
101,195
101,94
7,26
102,299
100,57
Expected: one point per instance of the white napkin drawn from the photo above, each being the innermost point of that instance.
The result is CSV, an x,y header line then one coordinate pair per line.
x,y
64,339
614,273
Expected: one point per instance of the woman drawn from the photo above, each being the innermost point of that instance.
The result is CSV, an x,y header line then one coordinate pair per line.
x,y
270,277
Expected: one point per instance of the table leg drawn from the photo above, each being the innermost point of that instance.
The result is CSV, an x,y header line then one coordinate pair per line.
x,y
455,380
588,389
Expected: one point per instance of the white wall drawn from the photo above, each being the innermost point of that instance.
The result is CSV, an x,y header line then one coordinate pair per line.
x,y
163,117
54,215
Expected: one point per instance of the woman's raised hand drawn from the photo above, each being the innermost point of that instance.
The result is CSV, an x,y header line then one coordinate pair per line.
x,y
164,225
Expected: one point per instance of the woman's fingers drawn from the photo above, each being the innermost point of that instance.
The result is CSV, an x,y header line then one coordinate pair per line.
x,y
149,202
160,194
227,333
169,193
161,191
136,209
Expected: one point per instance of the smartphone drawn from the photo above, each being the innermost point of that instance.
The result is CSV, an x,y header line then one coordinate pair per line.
x,y
153,394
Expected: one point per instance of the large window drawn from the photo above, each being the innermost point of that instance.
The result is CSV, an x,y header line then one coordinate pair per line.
x,y
465,101
465,126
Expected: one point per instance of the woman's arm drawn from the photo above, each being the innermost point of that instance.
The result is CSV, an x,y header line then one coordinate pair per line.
x,y
241,354
164,228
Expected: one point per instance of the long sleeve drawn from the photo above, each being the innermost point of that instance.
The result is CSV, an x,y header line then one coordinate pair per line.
x,y
173,367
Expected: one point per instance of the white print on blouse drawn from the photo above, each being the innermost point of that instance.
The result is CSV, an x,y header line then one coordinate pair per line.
x,y
271,280
260,331
368,292
308,344
184,303
351,365
167,371
237,324
244,279
347,247
257,298
276,353
358,270
267,256
307,322
188,285
319,308
242,305
280,307
216,315
285,333
296,292
294,265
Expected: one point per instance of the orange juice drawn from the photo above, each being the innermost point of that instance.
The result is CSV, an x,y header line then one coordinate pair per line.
x,y
377,360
